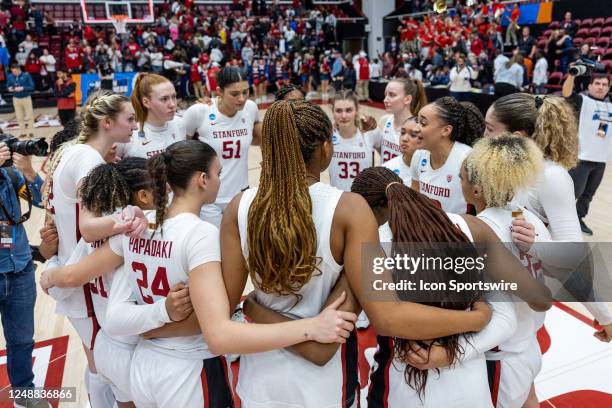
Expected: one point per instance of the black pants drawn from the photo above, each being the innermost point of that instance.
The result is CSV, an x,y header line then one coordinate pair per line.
x,y
65,115
587,176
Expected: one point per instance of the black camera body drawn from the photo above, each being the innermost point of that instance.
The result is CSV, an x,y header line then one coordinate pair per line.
x,y
35,147
586,67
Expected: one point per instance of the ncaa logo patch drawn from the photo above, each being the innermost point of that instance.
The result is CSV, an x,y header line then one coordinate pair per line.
x,y
388,124
212,116
334,139
396,171
423,162
449,178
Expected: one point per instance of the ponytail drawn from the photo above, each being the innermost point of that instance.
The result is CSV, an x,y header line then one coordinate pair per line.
x,y
174,168
465,118
414,88
142,88
414,217
104,190
282,237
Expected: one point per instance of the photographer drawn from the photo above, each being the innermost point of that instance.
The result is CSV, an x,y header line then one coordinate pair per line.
x,y
17,285
594,134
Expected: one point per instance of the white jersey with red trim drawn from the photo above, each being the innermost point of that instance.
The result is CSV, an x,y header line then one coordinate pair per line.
x,y
74,165
154,264
388,387
351,156
442,185
231,139
390,144
399,167
528,321
153,140
279,378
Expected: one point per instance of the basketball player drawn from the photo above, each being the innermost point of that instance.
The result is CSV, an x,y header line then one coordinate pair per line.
x,y
409,143
404,98
231,125
292,209
107,118
353,151
106,189
185,250
550,122
399,209
154,101
490,177
290,92
447,129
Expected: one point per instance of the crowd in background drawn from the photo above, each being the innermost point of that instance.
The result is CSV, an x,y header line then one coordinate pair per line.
x,y
466,48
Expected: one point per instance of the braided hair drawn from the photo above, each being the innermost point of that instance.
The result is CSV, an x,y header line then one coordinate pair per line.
x,y
414,218
281,237
285,90
465,118
174,168
110,186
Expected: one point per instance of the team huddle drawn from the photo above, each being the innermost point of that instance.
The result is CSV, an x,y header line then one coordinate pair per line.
x,y
159,231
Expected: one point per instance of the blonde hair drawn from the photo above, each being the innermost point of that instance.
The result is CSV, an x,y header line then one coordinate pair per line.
x,y
101,104
502,165
550,121
142,88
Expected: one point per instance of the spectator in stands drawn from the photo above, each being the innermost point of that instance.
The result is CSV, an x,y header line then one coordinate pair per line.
x,y
73,57
527,44
512,25
22,86
441,76
540,73
551,49
362,69
565,51
569,25
21,57
509,77
595,134
375,69
65,89
33,67
28,44
337,70
348,74
392,47
48,62
460,79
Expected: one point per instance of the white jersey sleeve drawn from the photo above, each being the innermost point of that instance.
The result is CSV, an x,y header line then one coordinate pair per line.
x,y
374,138
81,163
415,163
252,110
202,246
556,194
500,328
124,317
194,117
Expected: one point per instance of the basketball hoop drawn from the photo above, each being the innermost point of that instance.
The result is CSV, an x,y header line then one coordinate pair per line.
x,y
119,21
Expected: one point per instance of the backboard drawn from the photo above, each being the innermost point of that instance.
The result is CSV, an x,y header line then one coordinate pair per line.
x,y
102,11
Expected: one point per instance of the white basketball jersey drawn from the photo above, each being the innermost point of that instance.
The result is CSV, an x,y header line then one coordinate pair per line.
x,y
528,321
442,185
74,165
390,147
280,378
154,264
153,140
231,139
349,159
399,167
388,385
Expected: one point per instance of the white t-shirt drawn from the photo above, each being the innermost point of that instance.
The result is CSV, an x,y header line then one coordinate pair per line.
x,y
595,116
350,157
231,139
153,265
399,167
442,185
153,140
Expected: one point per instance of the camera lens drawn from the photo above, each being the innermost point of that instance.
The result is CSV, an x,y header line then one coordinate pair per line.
x,y
577,70
36,147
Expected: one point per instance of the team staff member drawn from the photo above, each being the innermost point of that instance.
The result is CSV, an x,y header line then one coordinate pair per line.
x,y
595,137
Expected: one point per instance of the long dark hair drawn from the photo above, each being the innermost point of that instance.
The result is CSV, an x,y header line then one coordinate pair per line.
x,y
414,218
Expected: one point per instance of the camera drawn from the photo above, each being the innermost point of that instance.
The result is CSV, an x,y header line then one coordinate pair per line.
x,y
35,147
585,66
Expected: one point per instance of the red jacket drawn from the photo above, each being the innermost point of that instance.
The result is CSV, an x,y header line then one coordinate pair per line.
x,y
194,73
364,69
73,57
65,95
